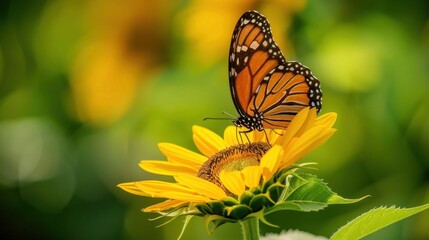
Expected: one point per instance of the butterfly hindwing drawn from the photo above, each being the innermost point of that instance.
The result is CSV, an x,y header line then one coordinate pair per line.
x,y
286,91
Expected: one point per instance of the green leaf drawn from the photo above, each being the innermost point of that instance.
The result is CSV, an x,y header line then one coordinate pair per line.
x,y
374,220
298,206
336,199
305,192
308,187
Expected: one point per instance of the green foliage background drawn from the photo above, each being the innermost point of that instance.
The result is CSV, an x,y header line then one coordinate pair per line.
x,y
87,90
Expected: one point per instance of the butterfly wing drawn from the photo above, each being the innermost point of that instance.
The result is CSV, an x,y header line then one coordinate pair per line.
x,y
253,54
286,90
262,83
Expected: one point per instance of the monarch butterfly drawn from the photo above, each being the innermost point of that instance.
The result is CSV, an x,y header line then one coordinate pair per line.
x,y
267,90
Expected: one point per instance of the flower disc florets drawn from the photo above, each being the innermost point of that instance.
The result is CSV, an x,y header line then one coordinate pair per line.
x,y
234,158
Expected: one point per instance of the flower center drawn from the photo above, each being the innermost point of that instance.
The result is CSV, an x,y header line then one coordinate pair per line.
x,y
234,158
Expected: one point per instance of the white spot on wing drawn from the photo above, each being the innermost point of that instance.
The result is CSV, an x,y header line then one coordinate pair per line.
x,y
254,45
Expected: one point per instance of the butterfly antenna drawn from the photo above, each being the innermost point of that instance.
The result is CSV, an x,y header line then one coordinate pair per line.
x,y
212,118
230,115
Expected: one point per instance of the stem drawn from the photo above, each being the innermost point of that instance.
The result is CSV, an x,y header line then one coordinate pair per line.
x,y
250,229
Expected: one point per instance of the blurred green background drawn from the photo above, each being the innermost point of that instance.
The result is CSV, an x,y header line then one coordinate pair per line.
x,y
88,89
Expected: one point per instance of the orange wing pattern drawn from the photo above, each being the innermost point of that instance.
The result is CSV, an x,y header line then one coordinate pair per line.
x,y
267,90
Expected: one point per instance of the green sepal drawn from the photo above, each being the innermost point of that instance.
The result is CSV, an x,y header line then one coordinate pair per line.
x,y
230,201
218,207
268,184
256,190
179,211
204,209
212,222
187,220
246,197
258,202
261,216
238,212
275,190
190,210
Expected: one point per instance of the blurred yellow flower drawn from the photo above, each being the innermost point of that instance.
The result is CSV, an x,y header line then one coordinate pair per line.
x,y
103,87
118,52
226,169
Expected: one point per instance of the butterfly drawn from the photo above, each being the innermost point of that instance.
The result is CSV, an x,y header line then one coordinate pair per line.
x,y
267,90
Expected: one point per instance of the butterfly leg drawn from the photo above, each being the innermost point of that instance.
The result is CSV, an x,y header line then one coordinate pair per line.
x,y
245,134
266,137
239,133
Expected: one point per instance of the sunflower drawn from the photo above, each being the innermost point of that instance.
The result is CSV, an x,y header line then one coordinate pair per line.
x,y
237,176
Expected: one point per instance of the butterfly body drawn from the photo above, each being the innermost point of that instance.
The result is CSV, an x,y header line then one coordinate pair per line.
x,y
267,90
250,122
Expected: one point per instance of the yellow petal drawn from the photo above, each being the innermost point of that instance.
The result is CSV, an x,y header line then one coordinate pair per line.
x,y
159,189
201,186
306,143
177,154
274,135
188,197
230,136
294,126
309,121
166,168
270,162
258,136
153,187
327,119
311,137
131,188
207,141
162,206
252,176
233,181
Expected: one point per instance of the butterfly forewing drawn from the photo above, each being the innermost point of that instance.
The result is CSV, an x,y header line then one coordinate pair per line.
x,y
250,57
267,91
